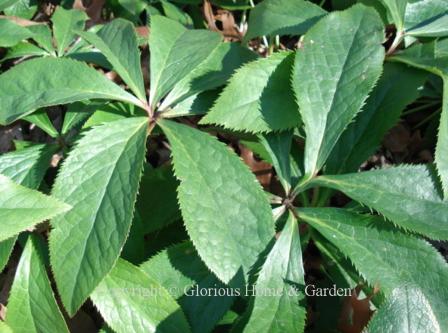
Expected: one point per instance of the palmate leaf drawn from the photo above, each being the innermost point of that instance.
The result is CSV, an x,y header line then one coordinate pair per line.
x,y
397,87
224,209
276,307
282,17
100,180
424,56
49,81
386,257
31,304
339,63
406,311
64,23
258,97
180,270
26,167
131,301
175,51
22,208
118,42
406,195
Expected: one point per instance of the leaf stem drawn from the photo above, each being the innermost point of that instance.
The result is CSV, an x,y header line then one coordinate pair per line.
x,y
427,119
397,41
419,108
304,199
315,199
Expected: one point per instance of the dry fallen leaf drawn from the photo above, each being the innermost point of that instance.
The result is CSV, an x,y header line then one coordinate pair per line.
x,y
20,21
355,313
229,27
93,9
261,169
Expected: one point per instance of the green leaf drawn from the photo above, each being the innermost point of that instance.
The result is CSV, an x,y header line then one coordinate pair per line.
x,y
118,42
437,28
282,17
424,56
258,97
4,328
65,22
23,49
22,8
406,195
49,81
22,208
175,13
106,113
6,3
134,250
198,104
274,154
27,167
226,213
426,18
338,65
6,248
441,48
441,154
41,33
398,86
180,270
175,51
211,73
77,113
396,9
129,300
158,208
41,120
12,33
278,146
278,289
407,310
100,180
31,304
386,257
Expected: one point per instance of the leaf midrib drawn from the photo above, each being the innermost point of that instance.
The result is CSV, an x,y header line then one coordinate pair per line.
x,y
359,185
162,70
351,240
341,73
101,201
213,196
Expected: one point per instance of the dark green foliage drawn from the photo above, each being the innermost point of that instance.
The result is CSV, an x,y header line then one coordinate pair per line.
x,y
212,191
